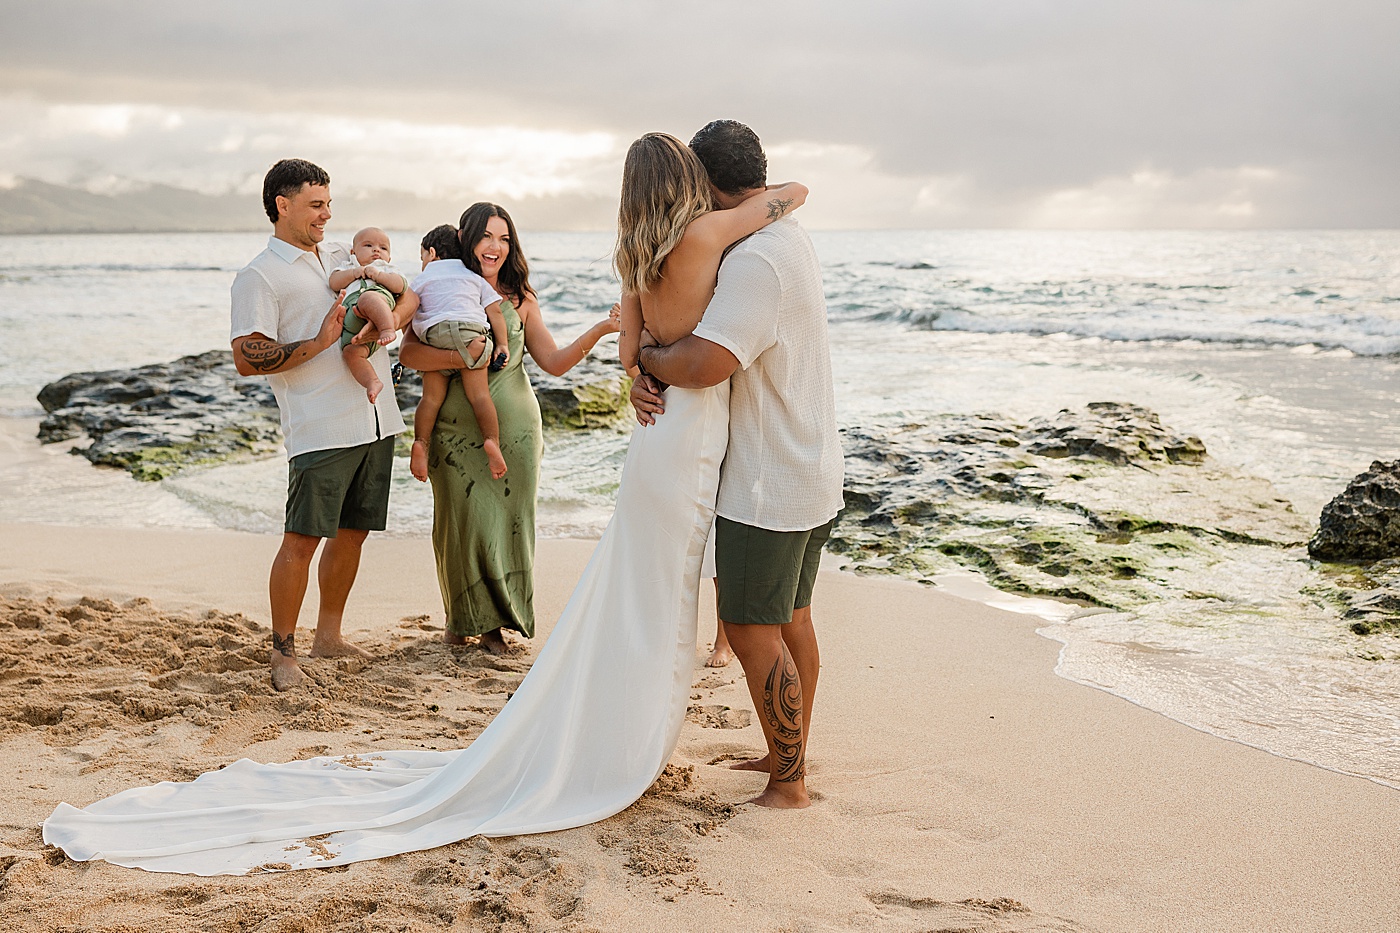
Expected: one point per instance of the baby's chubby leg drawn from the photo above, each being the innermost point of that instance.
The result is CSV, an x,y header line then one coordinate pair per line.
x,y
424,417
357,359
378,310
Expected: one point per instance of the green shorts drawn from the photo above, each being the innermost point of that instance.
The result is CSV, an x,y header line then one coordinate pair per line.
x,y
764,576
353,322
458,335
344,487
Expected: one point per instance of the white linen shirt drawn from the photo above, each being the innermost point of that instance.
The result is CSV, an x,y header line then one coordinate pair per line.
x,y
449,291
784,469
284,294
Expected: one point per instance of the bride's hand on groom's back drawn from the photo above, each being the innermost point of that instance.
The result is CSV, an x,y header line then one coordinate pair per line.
x,y
646,399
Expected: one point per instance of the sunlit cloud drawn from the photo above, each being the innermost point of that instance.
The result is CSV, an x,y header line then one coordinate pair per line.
x,y
101,147
1152,197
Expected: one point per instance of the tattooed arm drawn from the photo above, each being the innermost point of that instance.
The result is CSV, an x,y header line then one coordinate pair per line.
x,y
720,228
257,354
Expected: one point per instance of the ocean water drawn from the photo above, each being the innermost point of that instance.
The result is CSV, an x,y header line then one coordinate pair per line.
x,y
1281,350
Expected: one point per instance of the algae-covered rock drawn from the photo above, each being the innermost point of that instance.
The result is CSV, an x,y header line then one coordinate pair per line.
x,y
1363,522
1102,505
591,395
156,420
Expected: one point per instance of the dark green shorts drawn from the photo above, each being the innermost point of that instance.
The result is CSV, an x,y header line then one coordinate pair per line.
x,y
764,576
345,487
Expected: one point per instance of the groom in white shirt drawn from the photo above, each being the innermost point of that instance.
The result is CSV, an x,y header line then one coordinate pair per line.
x,y
781,482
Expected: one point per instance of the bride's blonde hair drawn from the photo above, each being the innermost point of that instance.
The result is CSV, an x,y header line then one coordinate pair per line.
x,y
664,188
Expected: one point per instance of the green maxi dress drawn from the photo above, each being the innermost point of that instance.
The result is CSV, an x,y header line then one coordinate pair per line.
x,y
483,528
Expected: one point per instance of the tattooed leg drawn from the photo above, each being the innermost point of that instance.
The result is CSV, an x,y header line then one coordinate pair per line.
x,y
285,645
782,711
286,589
800,636
775,683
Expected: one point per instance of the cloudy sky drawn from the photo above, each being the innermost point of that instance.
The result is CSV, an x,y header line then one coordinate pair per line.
x,y
897,113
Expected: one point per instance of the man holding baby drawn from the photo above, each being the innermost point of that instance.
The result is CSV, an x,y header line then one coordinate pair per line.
x,y
340,446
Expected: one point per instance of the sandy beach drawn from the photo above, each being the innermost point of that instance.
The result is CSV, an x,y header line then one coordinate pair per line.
x,y
961,784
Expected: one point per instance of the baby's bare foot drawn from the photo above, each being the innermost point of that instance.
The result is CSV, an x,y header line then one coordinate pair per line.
x,y
418,461
494,458
386,337
373,389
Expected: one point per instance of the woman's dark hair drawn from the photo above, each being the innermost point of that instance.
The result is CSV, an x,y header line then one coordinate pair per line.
x,y
286,178
513,281
732,155
442,240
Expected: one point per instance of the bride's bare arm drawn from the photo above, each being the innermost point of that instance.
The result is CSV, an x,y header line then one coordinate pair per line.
x,y
629,336
720,228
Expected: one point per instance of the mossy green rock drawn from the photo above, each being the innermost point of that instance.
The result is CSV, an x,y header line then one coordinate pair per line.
x,y
1102,505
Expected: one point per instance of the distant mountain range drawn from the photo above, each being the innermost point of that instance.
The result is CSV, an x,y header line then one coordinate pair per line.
x,y
33,206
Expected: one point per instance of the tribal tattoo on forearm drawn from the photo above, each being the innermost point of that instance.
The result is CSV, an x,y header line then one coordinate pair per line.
x,y
286,645
778,206
266,356
782,707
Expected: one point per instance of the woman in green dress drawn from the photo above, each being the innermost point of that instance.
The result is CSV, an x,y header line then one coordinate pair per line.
x,y
484,528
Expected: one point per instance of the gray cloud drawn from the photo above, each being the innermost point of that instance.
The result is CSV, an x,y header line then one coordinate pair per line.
x,y
1022,100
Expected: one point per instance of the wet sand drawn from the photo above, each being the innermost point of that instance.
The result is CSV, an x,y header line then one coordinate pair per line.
x,y
960,784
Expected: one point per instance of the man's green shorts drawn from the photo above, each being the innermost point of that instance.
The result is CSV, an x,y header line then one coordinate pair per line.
x,y
764,576
345,487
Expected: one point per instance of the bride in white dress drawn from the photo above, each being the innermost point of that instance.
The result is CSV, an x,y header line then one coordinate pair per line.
x,y
594,722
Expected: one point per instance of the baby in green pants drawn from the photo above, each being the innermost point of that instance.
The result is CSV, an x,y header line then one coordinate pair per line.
x,y
371,289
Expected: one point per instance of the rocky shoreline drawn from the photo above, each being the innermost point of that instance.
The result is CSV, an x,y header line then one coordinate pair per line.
x,y
1104,506
157,420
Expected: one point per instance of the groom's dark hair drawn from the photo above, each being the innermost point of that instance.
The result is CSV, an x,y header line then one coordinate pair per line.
x,y
732,155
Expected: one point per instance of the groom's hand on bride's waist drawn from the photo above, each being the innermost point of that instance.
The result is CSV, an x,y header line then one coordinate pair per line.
x,y
646,398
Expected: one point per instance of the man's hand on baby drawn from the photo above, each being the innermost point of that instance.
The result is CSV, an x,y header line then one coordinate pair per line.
x,y
334,322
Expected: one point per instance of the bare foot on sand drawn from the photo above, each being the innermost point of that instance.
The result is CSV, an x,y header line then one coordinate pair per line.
x,y
494,642
418,460
336,647
373,389
783,797
720,656
285,673
752,764
494,458
452,638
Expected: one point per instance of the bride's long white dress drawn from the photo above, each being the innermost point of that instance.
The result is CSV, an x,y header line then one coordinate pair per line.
x,y
587,732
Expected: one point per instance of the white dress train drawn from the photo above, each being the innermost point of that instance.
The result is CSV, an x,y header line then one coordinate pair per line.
x,y
586,733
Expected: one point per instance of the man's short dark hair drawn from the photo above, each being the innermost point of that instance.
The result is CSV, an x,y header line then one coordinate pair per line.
x,y
286,178
732,155
442,240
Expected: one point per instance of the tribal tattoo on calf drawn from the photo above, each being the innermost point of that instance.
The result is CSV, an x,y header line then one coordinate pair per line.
x,y
778,206
267,356
285,644
782,707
